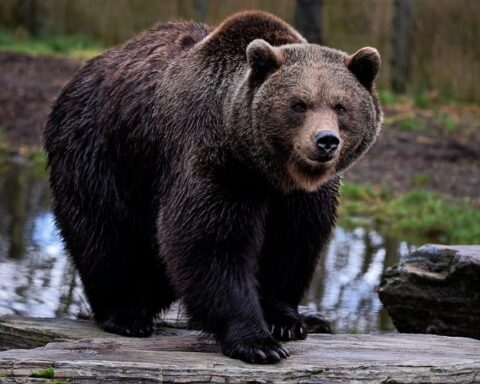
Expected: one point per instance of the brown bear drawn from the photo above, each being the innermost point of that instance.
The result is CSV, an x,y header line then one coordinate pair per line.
x,y
203,164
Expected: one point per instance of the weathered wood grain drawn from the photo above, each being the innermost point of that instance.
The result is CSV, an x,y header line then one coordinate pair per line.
x,y
24,332
33,332
184,357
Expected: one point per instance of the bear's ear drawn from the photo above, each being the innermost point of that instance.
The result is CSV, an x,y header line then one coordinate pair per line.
x,y
364,64
262,58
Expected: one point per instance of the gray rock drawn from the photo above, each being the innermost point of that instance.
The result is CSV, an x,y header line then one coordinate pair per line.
x,y
435,290
315,321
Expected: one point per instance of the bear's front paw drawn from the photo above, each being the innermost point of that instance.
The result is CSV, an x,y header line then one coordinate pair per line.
x,y
128,324
292,329
286,324
262,350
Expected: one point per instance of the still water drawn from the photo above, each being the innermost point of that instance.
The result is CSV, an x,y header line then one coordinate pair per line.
x,y
37,279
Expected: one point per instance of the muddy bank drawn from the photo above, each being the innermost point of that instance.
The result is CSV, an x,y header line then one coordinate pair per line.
x,y
425,156
28,85
433,161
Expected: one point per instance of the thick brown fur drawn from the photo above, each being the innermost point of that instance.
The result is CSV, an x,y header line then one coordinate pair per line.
x,y
183,165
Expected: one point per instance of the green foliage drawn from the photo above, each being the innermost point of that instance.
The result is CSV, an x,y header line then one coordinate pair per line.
x,y
418,216
387,97
3,141
420,179
422,100
47,373
413,124
448,121
75,46
410,122
35,157
38,161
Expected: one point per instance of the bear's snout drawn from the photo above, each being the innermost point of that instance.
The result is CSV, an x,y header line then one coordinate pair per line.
x,y
327,143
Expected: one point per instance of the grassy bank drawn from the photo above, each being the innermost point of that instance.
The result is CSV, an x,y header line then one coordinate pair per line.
x,y
76,46
423,113
33,156
417,216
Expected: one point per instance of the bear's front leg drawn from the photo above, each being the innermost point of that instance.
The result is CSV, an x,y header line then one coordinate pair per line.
x,y
210,240
298,227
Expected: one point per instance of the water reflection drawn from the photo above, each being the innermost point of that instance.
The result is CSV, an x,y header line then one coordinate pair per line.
x,y
37,279
344,287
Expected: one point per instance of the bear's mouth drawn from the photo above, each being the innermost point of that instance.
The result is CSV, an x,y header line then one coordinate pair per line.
x,y
312,167
310,174
317,158
312,164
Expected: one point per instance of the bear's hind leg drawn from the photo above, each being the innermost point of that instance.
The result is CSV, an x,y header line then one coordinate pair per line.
x,y
135,311
123,278
134,300
133,292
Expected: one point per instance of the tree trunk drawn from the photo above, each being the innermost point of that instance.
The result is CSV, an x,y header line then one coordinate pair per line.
x,y
30,8
401,44
200,8
308,19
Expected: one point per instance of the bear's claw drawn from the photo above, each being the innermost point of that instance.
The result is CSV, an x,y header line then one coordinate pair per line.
x,y
285,323
295,331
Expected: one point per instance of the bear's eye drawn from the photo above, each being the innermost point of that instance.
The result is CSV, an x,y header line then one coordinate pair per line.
x,y
299,106
340,109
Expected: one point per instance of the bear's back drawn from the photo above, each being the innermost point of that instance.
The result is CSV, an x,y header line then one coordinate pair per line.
x,y
120,82
150,52
163,41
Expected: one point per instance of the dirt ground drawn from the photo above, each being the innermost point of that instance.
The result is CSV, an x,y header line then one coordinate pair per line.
x,y
433,158
433,161
28,85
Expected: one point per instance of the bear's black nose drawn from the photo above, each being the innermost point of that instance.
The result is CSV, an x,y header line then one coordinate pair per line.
x,y
327,142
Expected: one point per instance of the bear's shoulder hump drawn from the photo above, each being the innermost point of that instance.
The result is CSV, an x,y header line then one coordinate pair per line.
x,y
234,34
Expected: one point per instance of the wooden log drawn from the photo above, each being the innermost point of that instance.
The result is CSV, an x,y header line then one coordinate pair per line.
x,y
186,358
30,332
25,332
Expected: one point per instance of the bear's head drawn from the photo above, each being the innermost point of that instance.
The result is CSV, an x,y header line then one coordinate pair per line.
x,y
313,110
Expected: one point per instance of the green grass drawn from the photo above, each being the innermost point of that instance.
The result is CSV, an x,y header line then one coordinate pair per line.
x,y
3,142
420,179
75,46
35,157
413,124
46,373
422,100
419,99
417,216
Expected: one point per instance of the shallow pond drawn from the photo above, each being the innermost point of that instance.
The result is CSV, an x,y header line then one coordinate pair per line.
x,y
37,279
